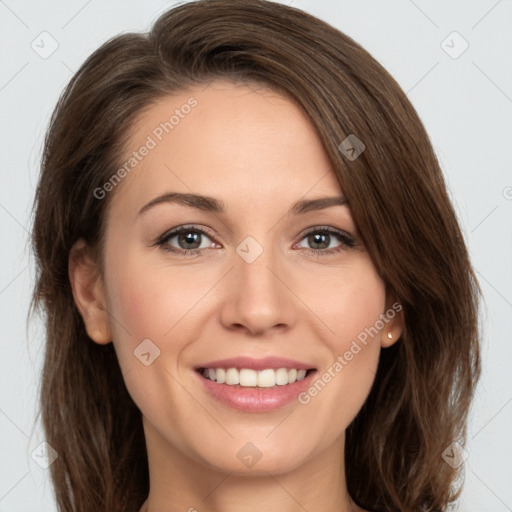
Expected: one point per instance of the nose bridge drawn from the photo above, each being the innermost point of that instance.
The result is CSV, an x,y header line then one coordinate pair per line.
x,y
256,299
256,278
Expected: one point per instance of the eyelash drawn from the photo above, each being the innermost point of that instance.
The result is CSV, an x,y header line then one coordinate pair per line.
x,y
346,241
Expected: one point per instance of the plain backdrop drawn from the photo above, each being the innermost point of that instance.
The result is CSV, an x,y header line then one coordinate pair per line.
x,y
463,95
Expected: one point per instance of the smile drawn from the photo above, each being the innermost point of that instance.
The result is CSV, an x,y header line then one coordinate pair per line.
x,y
247,377
255,385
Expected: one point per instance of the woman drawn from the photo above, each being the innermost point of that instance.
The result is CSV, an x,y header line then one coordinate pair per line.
x,y
257,293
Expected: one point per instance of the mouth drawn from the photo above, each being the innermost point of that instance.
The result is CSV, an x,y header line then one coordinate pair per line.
x,y
249,378
255,386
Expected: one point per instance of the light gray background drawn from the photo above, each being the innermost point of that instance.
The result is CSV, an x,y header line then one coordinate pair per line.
x,y
465,104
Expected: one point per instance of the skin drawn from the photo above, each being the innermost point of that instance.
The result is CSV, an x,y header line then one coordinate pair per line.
x,y
255,151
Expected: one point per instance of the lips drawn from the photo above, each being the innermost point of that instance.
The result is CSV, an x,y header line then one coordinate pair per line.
x,y
257,364
255,385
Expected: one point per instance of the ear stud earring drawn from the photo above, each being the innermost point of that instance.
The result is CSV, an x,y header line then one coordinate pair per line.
x,y
390,336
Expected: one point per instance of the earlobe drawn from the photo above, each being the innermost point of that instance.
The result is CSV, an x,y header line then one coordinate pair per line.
x,y
389,336
88,292
394,325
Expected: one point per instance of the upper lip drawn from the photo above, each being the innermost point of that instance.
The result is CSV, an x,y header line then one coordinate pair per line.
x,y
256,364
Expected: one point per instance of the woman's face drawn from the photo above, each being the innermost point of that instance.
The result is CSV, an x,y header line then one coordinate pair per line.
x,y
268,267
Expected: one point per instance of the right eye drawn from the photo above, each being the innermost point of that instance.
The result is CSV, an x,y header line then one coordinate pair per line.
x,y
186,240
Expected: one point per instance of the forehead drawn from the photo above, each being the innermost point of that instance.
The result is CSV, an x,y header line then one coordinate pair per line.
x,y
228,140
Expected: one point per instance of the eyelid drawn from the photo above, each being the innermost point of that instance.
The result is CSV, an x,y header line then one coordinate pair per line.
x,y
186,227
331,230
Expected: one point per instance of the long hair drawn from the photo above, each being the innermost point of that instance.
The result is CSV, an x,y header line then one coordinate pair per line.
x,y
425,382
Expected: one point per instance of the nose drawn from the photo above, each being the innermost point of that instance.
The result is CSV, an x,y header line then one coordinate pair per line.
x,y
258,300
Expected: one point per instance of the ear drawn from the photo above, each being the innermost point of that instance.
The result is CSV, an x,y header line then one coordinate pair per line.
x,y
393,321
88,292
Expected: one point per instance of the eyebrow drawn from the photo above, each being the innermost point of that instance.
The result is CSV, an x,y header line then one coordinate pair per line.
x,y
210,204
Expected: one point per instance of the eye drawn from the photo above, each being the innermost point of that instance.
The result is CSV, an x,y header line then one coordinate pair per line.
x,y
326,240
186,240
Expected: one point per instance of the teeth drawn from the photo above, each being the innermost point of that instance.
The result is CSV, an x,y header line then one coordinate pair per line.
x,y
266,378
220,376
282,376
248,378
232,376
251,378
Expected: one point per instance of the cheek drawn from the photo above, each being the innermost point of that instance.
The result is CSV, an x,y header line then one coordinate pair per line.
x,y
154,318
360,309
348,300
150,304
358,323
351,307
148,309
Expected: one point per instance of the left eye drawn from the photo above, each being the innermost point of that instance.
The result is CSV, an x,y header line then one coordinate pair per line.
x,y
323,239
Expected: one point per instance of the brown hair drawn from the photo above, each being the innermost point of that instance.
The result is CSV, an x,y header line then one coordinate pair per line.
x,y
424,384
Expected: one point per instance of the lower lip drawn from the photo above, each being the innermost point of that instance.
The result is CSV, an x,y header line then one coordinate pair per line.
x,y
257,399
